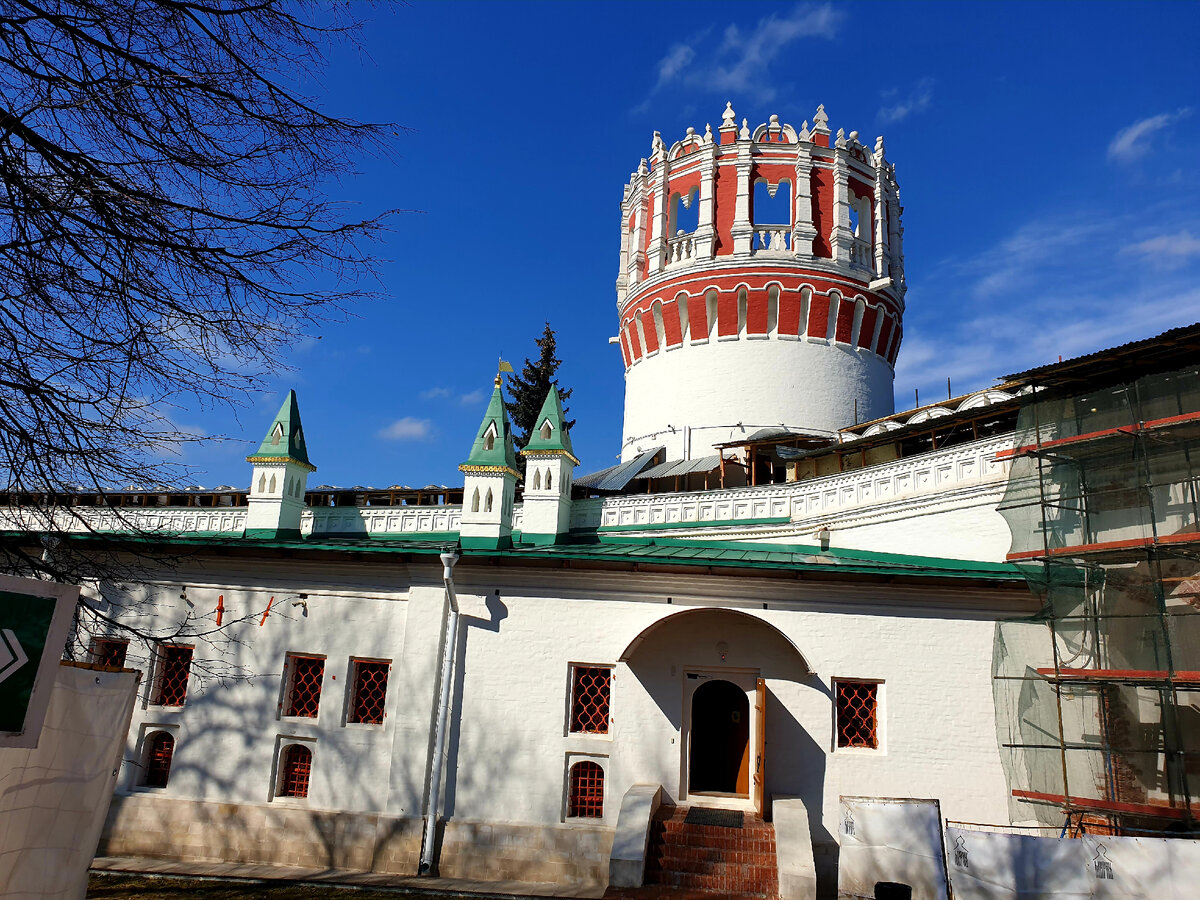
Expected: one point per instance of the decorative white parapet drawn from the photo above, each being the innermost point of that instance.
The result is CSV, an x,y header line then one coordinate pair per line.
x,y
816,499
349,521
176,520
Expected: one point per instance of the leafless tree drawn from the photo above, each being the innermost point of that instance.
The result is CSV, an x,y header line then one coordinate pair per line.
x,y
166,225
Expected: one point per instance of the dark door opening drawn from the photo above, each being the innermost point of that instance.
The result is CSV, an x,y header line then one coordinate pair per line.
x,y
720,745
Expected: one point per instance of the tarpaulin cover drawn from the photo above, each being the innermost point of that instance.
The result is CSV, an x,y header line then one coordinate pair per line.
x,y
988,866
891,840
53,799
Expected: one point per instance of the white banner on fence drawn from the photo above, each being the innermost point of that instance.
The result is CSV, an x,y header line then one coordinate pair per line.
x,y
896,841
53,799
988,866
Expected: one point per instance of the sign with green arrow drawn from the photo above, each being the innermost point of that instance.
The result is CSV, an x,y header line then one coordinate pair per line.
x,y
34,620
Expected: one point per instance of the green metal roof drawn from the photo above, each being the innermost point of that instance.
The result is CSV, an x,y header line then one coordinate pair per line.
x,y
559,440
501,454
600,548
285,437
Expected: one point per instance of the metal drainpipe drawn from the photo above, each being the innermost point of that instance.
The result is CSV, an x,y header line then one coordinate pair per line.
x,y
449,558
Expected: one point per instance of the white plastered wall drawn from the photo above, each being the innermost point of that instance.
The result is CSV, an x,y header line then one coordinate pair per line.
x,y
712,387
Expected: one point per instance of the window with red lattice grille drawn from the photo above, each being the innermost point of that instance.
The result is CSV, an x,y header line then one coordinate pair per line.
x,y
585,796
370,691
174,664
304,685
857,714
160,748
109,653
296,771
589,699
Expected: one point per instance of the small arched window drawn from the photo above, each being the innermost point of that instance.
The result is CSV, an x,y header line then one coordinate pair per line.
x,y
489,439
156,767
271,485
585,797
475,501
487,503
547,431
295,771
537,479
548,486
262,484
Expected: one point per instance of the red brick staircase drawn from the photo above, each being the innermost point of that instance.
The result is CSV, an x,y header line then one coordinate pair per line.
x,y
706,862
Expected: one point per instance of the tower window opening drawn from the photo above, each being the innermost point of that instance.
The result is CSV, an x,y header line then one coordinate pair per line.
x,y
773,310
742,302
304,685
656,311
475,501
585,795
684,325
489,439
537,479
487,502
684,215
296,771
710,302
547,431
160,749
772,209
548,485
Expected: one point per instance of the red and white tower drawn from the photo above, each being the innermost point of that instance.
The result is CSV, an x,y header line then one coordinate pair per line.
x,y
778,304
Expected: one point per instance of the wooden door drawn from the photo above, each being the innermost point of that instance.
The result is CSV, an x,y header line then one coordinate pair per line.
x,y
760,716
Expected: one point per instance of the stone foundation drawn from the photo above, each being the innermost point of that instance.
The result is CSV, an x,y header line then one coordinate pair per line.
x,y
558,854
196,831
193,830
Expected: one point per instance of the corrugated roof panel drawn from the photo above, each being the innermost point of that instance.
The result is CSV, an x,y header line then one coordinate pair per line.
x,y
621,475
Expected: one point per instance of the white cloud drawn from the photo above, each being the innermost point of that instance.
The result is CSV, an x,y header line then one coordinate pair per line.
x,y
473,397
436,393
918,100
407,429
740,64
1133,142
1167,249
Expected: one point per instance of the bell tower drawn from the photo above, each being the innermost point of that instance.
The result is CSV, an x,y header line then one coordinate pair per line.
x,y
761,285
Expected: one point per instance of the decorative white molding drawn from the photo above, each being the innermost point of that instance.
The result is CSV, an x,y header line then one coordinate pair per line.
x,y
872,486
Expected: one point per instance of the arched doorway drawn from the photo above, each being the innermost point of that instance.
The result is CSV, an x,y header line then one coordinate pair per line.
x,y
720,740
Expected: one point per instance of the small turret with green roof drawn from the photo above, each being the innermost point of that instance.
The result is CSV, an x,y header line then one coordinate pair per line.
x,y
493,447
285,437
550,432
549,461
490,481
280,476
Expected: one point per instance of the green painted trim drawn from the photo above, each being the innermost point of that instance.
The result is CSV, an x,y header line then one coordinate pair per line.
x,y
540,540
272,534
671,526
486,543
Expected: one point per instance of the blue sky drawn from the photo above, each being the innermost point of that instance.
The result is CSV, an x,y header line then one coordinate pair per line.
x,y
1046,155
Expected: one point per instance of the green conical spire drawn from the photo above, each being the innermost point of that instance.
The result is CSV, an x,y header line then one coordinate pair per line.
x,y
285,437
557,440
493,447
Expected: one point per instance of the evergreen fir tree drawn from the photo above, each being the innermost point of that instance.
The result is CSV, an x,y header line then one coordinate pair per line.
x,y
528,390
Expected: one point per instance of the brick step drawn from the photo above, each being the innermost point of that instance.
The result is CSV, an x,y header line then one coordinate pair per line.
x,y
664,892
757,881
729,845
730,871
669,862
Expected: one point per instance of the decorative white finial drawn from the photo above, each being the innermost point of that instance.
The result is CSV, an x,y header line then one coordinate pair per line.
x,y
657,143
804,135
774,119
854,137
879,147
820,120
841,138
744,134
690,131
708,138
642,169
729,117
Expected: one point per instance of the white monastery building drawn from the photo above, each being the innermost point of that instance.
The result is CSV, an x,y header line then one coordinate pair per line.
x,y
784,594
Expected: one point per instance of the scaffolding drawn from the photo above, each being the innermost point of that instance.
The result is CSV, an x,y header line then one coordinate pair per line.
x,y
1098,696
